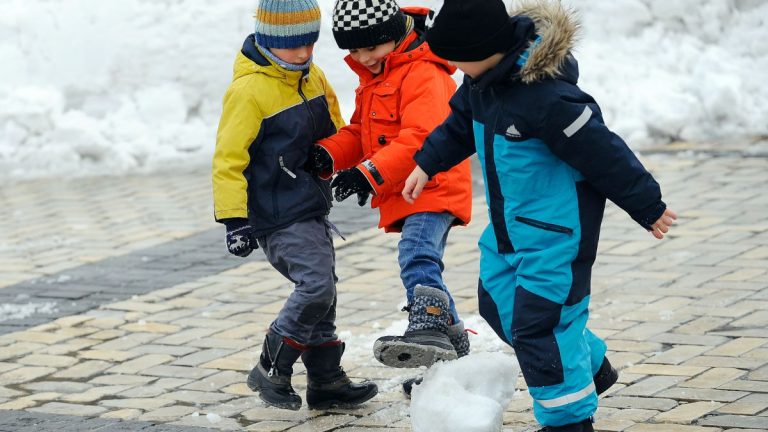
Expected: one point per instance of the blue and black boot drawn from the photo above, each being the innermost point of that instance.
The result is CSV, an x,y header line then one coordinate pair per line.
x,y
458,337
328,386
272,375
582,426
426,339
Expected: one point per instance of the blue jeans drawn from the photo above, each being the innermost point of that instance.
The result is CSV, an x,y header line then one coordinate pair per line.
x,y
421,248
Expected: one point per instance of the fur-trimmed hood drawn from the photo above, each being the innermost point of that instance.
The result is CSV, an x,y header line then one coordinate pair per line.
x,y
558,28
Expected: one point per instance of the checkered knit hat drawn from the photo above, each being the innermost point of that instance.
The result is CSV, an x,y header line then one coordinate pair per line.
x,y
287,23
367,23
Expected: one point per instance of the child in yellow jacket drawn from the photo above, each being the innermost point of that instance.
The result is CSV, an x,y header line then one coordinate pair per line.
x,y
278,105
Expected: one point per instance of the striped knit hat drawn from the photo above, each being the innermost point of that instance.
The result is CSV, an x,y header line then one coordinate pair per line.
x,y
287,23
367,23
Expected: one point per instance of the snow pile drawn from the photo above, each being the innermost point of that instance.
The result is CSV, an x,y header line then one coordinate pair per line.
x,y
469,394
677,70
89,86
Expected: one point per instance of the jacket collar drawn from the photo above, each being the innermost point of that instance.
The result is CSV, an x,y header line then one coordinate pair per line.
x,y
251,60
549,32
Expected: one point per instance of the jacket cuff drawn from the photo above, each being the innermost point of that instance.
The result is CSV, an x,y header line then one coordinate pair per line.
x,y
327,174
371,174
429,165
648,216
234,223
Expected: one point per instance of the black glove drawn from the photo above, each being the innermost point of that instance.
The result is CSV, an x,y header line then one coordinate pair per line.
x,y
348,182
241,240
318,161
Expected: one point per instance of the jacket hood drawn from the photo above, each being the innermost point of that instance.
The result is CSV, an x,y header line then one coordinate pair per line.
x,y
558,30
251,61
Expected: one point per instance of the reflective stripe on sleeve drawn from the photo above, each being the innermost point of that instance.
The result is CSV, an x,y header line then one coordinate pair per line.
x,y
578,123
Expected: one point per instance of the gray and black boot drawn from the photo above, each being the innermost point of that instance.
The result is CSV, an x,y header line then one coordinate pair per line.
x,y
272,375
458,336
426,339
328,386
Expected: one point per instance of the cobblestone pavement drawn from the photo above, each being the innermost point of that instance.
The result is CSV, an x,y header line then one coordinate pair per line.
x,y
120,309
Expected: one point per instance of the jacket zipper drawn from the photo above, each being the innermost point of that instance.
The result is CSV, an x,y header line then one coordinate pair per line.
x,y
306,104
314,128
544,225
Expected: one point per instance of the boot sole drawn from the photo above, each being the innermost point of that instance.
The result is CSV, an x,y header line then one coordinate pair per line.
x,y
399,354
326,405
254,386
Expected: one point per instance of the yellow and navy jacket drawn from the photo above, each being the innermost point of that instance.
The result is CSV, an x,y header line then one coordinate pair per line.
x,y
270,119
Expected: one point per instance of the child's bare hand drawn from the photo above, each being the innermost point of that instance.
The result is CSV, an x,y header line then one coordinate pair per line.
x,y
661,226
414,184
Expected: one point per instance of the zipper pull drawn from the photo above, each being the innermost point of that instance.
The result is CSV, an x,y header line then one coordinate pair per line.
x,y
285,168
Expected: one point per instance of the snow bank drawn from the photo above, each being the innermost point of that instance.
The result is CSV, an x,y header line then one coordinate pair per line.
x,y
88,86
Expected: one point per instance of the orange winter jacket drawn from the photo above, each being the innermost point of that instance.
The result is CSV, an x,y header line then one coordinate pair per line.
x,y
394,113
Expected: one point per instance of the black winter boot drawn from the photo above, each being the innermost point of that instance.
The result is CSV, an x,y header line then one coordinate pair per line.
x,y
272,375
426,339
605,377
327,383
458,337
582,426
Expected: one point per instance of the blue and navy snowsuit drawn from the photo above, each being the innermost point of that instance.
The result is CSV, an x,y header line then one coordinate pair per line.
x,y
549,163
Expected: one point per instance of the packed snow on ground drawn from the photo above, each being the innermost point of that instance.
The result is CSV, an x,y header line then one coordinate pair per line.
x,y
94,87
13,311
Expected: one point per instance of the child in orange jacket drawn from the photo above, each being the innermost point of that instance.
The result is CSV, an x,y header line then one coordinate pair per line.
x,y
403,95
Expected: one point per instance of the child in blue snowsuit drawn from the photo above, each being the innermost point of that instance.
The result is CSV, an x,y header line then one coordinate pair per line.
x,y
549,163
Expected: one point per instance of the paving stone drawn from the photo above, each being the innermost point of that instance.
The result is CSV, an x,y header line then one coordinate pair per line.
x,y
71,409
738,347
137,403
666,427
25,374
216,381
688,413
178,372
202,356
749,405
701,394
29,401
120,379
47,360
204,421
650,386
140,364
273,426
94,394
166,414
733,421
714,378
64,387
652,369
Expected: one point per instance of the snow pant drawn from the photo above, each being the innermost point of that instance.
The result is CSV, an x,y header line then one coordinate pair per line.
x,y
420,253
536,300
303,252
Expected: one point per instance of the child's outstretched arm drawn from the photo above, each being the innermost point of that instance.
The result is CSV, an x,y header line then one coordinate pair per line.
x,y
414,184
571,124
662,225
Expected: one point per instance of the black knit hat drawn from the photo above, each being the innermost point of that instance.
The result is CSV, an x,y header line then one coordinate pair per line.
x,y
471,30
367,23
